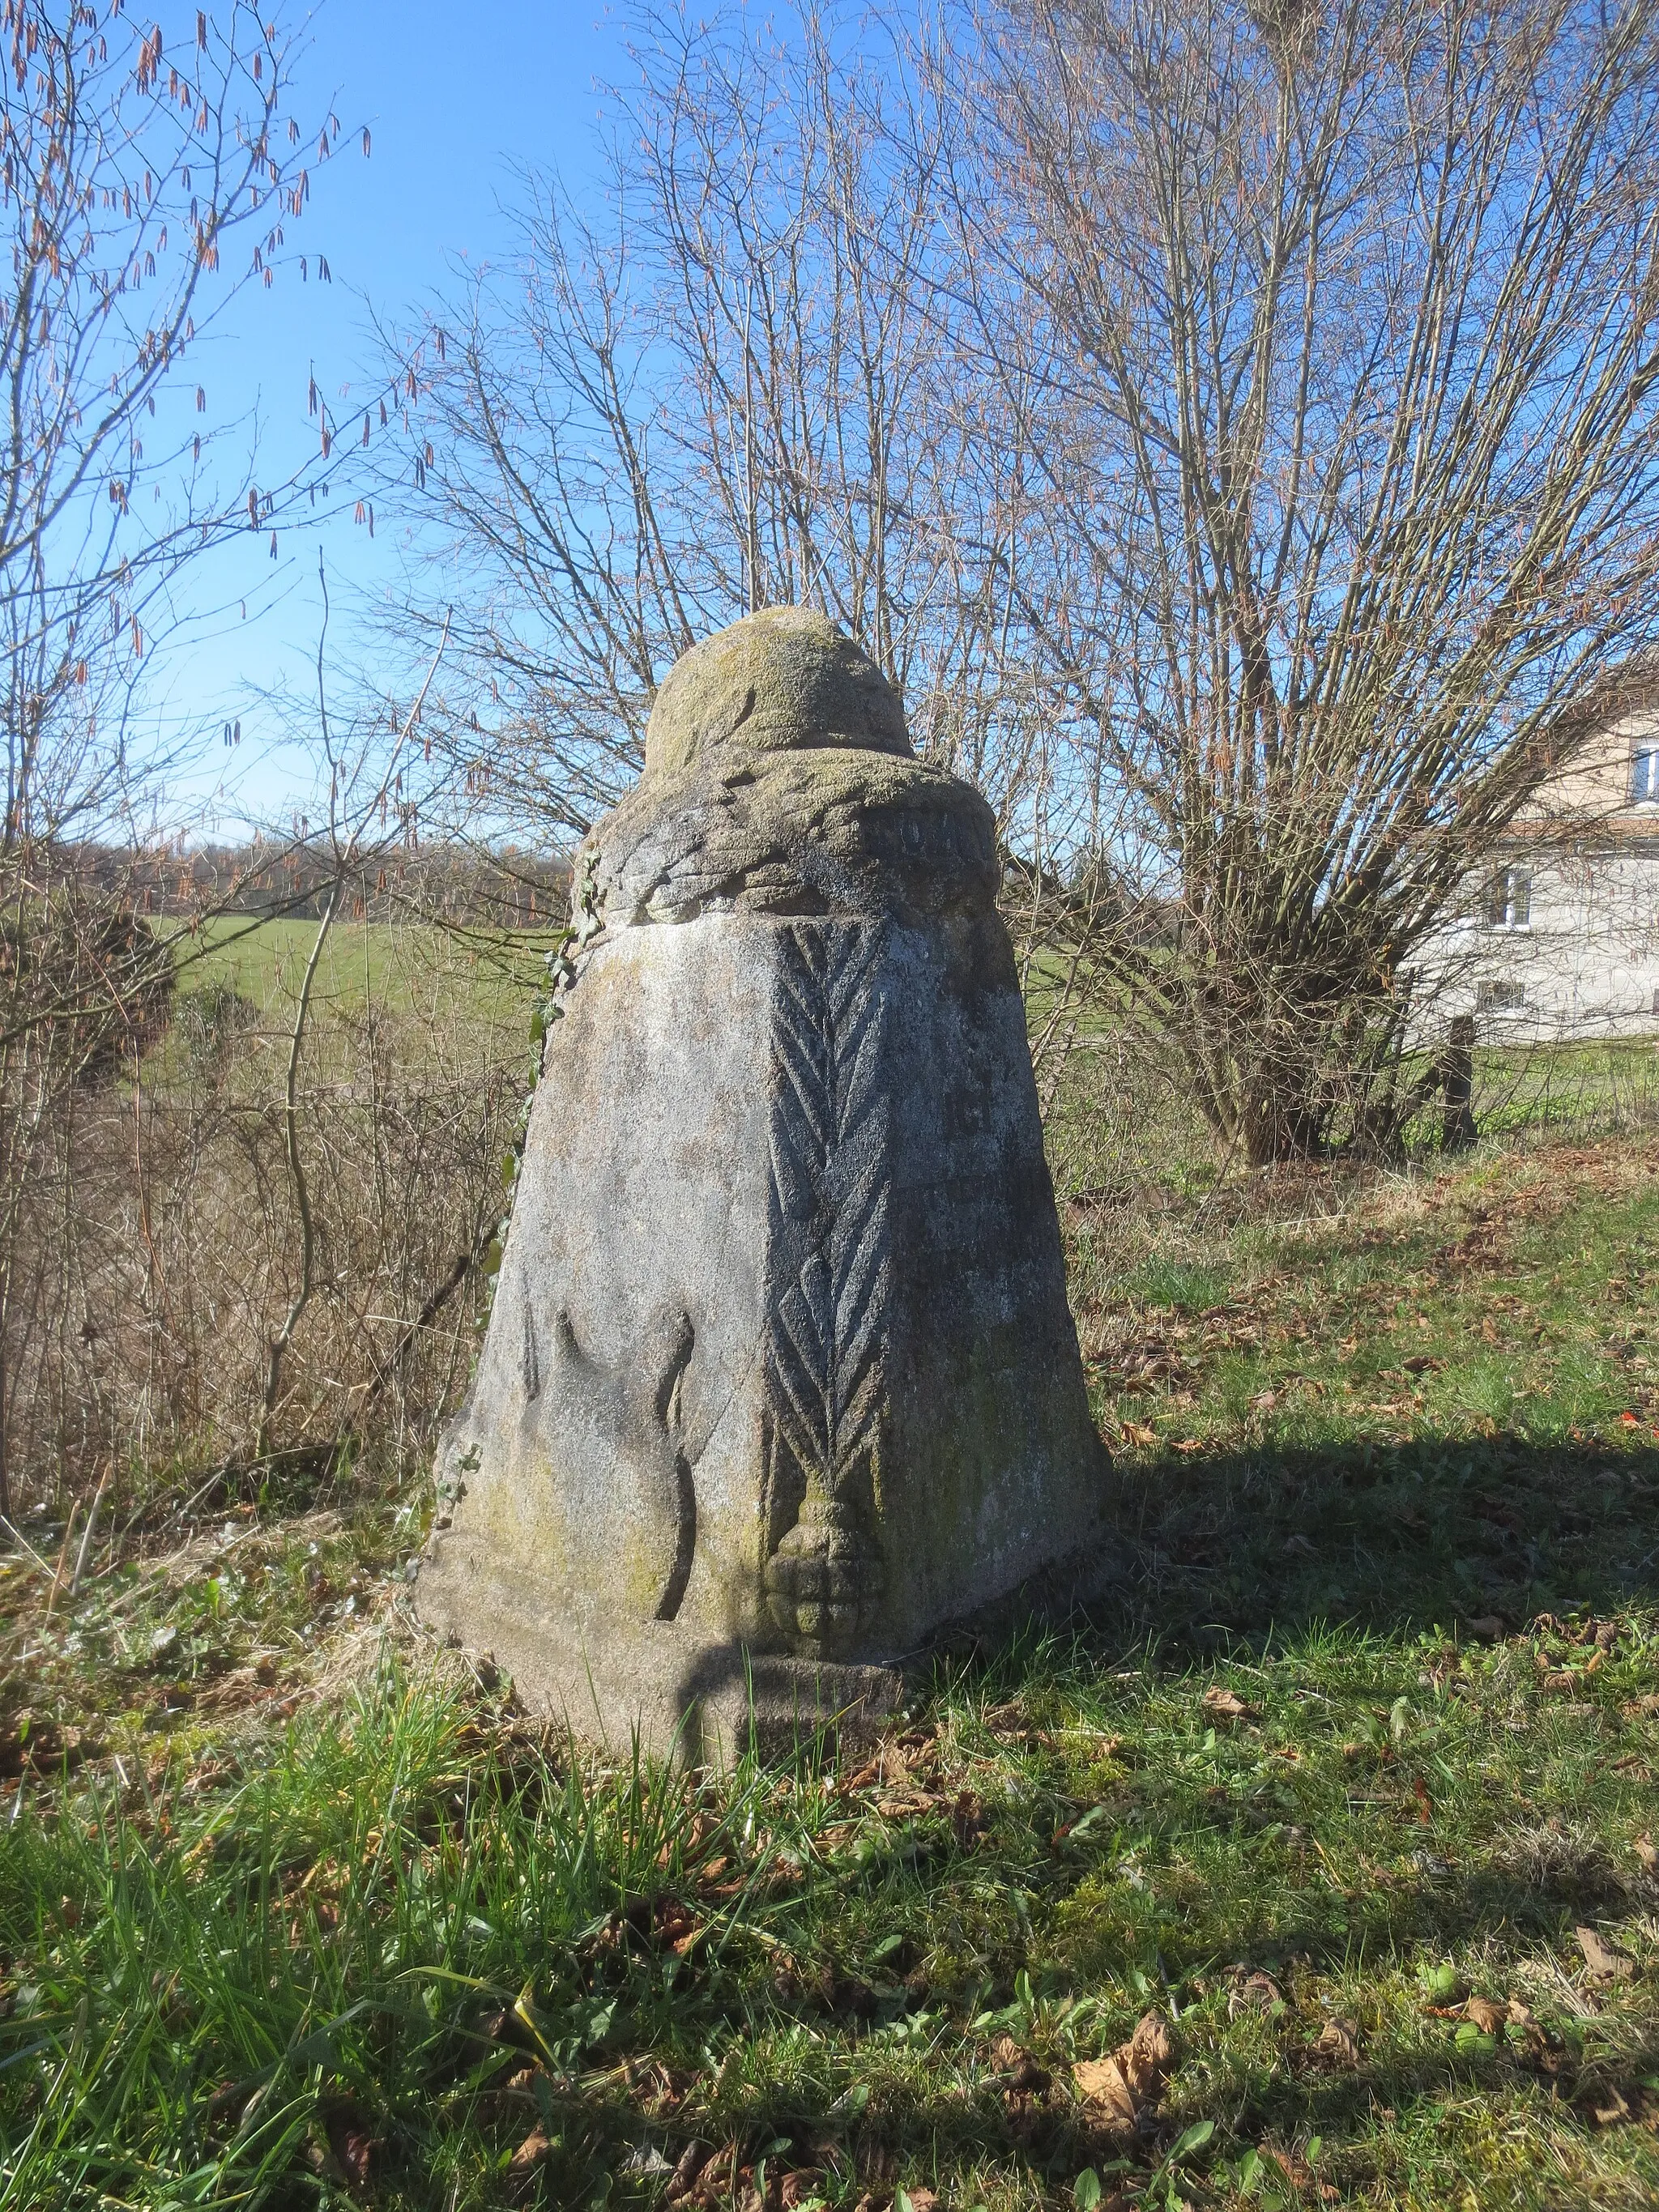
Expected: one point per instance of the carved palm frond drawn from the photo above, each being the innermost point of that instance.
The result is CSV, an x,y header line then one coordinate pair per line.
x,y
830,1196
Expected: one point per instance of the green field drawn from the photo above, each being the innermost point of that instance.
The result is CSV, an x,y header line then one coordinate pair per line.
x,y
395,967
1344,1792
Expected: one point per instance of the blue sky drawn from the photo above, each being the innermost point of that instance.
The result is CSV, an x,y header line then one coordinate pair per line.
x,y
453,97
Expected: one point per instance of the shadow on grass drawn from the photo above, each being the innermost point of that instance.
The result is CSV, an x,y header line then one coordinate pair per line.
x,y
1199,1858
1252,1548
928,2135
1429,1532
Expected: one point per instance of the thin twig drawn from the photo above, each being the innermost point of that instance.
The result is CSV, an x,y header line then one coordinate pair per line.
x,y
343,857
433,1304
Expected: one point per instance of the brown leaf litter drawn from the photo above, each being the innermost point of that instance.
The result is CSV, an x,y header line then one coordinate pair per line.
x,y
1337,2044
1603,1962
1220,1704
1121,2092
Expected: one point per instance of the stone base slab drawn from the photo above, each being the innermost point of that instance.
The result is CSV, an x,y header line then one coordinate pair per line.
x,y
679,1697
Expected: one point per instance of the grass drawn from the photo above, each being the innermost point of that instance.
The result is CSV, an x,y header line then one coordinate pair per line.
x,y
1123,1125
1527,1087
363,964
295,1911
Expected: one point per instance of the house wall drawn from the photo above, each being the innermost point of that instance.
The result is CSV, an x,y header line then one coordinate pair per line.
x,y
1586,958
1593,785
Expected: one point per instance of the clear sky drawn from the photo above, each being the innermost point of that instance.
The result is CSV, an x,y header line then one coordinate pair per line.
x,y
452,98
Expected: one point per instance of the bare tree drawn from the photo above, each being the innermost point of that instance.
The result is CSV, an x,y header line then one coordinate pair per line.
x,y
360,778
129,172
1349,317
733,381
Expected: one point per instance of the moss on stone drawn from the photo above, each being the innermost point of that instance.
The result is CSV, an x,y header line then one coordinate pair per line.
x,y
784,680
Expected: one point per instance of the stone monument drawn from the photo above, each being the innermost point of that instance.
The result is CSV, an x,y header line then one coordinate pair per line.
x,y
779,1374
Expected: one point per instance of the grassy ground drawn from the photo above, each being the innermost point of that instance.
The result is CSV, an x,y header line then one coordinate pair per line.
x,y
1123,1124
387,964
1332,1829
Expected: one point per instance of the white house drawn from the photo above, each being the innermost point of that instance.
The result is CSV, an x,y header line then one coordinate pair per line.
x,y
1560,935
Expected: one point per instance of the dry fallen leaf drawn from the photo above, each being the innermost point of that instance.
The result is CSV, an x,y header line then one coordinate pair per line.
x,y
1253,1992
686,2175
1300,2175
672,1921
1646,1851
1222,1704
1147,2056
529,2155
1605,1964
1137,1432
1103,2089
1337,2043
968,1819
1025,2074
1536,2042
1120,2091
692,2161
1488,2017
354,2147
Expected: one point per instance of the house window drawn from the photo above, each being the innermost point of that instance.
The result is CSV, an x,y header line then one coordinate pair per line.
x,y
1644,774
1500,998
1508,899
